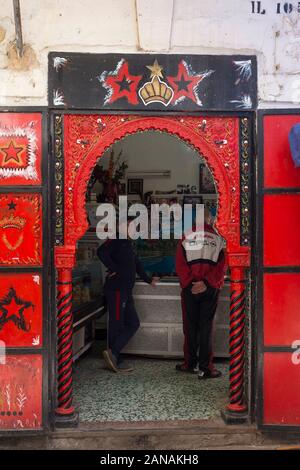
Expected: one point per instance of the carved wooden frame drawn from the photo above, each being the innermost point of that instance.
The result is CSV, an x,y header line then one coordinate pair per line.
x,y
80,139
86,137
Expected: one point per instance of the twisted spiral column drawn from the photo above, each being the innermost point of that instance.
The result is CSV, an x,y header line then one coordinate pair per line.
x,y
65,342
237,341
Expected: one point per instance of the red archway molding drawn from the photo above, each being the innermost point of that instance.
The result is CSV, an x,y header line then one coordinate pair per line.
x,y
86,137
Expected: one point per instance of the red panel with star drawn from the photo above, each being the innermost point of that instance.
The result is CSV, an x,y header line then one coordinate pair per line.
x,y
20,229
20,148
120,84
186,82
21,391
21,309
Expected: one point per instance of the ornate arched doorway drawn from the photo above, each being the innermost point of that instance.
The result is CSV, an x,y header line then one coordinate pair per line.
x,y
224,144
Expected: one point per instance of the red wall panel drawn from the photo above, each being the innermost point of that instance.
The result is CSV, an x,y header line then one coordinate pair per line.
x,y
21,392
20,148
21,309
279,168
21,291
281,381
20,229
281,308
280,290
281,230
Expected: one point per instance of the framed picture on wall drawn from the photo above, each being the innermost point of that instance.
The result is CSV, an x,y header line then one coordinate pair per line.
x,y
135,186
206,181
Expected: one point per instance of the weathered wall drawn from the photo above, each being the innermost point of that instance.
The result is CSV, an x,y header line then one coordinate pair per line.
x,y
187,26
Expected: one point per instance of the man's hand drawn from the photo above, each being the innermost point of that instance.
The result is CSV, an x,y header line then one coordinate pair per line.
x,y
198,287
154,281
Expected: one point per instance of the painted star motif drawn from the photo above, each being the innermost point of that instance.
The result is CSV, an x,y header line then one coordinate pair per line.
x,y
156,69
185,83
13,153
182,84
123,85
12,206
12,308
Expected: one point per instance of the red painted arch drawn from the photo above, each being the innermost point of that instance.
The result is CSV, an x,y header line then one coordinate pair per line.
x,y
87,137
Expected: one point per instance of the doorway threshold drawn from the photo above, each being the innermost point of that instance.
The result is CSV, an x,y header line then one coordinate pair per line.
x,y
158,435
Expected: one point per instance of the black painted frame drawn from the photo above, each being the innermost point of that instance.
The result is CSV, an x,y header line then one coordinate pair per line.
x,y
81,72
48,269
252,364
48,351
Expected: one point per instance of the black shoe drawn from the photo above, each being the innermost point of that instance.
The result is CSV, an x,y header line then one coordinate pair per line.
x,y
184,368
124,367
209,374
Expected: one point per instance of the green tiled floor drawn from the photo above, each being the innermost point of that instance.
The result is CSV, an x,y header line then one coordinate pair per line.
x,y
154,391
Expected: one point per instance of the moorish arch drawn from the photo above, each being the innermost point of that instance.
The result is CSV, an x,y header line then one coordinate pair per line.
x,y
223,142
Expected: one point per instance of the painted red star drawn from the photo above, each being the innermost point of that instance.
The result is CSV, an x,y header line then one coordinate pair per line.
x,y
123,85
12,153
184,84
12,309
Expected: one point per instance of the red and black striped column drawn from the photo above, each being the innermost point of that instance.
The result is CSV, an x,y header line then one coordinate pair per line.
x,y
65,412
65,343
237,408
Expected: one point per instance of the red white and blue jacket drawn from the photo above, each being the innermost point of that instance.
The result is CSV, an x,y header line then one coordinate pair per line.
x,y
202,259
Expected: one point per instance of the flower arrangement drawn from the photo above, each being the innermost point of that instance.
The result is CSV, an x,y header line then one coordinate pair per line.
x,y
117,168
110,178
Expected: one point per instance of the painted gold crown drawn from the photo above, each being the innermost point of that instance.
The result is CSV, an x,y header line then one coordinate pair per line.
x,y
12,222
156,91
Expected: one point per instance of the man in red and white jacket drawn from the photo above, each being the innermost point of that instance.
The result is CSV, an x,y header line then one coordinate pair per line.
x,y
201,266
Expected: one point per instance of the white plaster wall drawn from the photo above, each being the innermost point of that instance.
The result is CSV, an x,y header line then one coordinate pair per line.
x,y
174,26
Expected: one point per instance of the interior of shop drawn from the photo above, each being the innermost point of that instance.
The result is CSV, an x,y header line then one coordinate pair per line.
x,y
148,167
